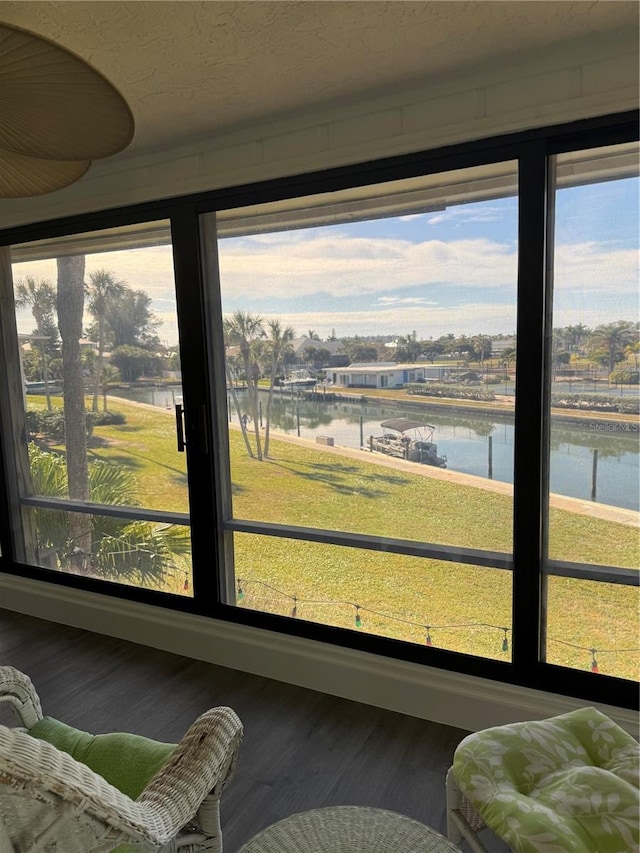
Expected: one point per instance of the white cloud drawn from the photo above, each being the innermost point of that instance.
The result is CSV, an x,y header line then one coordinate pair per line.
x,y
408,300
343,266
594,267
142,269
461,215
467,319
148,269
302,265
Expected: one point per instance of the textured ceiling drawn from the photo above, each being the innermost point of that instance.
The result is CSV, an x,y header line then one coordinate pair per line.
x,y
192,69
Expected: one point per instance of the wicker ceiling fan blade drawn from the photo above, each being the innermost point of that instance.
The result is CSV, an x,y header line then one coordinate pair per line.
x,y
22,176
53,105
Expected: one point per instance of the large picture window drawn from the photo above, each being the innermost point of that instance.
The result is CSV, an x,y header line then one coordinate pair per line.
x,y
392,406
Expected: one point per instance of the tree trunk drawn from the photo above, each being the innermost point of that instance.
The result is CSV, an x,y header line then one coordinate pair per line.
x,y
236,403
267,430
252,394
256,421
267,426
70,306
97,364
45,376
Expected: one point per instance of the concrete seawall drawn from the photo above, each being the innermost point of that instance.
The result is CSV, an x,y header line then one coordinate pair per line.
x,y
579,506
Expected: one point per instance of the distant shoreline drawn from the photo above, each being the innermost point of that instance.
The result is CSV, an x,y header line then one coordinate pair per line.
x,y
502,406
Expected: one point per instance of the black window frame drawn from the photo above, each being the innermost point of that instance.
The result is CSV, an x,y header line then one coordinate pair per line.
x,y
533,150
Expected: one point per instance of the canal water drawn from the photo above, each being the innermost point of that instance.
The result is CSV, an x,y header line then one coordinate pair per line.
x,y
464,439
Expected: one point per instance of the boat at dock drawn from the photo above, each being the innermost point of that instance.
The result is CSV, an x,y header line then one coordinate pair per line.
x,y
52,386
299,379
406,438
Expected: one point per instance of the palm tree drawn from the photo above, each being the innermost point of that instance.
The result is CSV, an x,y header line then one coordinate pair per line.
x,y
482,347
102,289
574,336
245,330
231,375
40,296
408,348
49,477
279,342
634,351
142,553
612,338
507,355
70,307
109,374
119,549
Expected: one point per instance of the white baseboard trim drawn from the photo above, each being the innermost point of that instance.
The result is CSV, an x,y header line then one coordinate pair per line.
x,y
445,697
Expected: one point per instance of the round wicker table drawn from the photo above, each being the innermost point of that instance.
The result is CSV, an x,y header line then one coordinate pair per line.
x,y
348,829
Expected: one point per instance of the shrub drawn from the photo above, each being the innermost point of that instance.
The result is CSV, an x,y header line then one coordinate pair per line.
x,y
91,419
110,419
596,403
48,424
624,376
629,406
51,424
32,419
459,392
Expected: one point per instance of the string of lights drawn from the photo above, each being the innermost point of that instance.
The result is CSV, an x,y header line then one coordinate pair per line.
x,y
592,651
359,609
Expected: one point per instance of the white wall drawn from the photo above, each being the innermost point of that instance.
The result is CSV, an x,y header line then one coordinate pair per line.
x,y
583,79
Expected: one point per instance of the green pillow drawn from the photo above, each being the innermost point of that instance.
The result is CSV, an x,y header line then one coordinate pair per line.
x,y
126,761
569,783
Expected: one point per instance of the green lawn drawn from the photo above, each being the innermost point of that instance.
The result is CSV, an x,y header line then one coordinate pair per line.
x,y
144,445
398,595
309,487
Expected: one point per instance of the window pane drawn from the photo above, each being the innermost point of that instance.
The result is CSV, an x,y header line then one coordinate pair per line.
x,y
459,607
370,361
594,472
98,355
125,550
593,626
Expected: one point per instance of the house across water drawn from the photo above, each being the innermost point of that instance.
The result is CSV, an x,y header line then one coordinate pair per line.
x,y
387,374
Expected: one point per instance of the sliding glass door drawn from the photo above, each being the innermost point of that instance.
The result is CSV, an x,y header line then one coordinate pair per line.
x,y
95,399
370,347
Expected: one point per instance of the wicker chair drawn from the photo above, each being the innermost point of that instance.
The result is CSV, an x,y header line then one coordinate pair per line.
x,y
51,802
463,821
570,782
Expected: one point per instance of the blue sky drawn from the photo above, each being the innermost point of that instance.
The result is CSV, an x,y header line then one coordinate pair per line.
x,y
418,272
449,271
445,271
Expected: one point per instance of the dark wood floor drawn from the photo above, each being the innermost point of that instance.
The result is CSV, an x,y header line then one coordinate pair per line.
x,y
301,750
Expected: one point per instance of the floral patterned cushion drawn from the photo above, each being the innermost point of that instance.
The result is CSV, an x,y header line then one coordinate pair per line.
x,y
570,783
